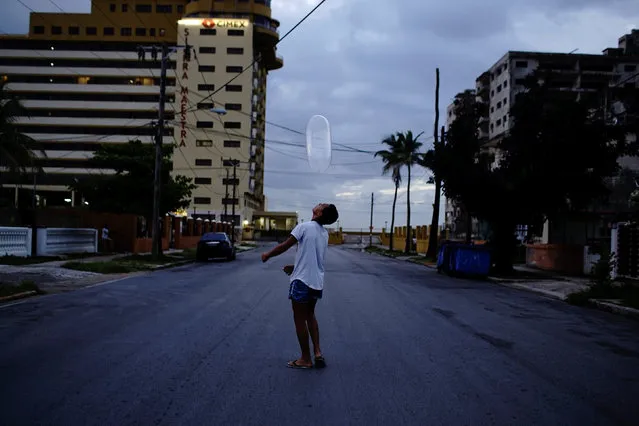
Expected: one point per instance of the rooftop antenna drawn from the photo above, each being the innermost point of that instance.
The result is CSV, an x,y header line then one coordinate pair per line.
x,y
573,51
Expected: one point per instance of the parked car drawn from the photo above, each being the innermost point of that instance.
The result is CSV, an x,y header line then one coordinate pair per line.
x,y
215,245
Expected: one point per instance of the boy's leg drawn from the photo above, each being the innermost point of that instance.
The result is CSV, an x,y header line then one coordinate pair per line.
x,y
300,315
313,328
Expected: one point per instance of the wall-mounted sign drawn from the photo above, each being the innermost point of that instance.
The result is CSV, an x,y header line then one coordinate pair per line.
x,y
215,22
184,88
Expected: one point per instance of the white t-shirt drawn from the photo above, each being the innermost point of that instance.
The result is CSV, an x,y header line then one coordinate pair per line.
x,y
312,241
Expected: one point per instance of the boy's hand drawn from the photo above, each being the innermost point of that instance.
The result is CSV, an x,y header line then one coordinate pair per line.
x,y
264,257
288,269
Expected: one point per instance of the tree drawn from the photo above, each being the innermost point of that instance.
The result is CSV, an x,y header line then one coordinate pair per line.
x,y
17,150
555,160
130,189
462,165
410,147
392,163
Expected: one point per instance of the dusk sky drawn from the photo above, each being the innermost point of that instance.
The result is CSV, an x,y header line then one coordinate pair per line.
x,y
369,67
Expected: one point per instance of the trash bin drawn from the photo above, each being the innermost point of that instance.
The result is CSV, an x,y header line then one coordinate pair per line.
x,y
472,260
463,259
446,257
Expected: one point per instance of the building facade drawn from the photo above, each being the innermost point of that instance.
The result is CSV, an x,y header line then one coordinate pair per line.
x,y
574,75
83,83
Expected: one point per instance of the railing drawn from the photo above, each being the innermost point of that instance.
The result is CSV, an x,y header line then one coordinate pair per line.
x,y
15,241
53,241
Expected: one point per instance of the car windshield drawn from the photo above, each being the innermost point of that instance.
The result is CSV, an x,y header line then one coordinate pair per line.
x,y
214,236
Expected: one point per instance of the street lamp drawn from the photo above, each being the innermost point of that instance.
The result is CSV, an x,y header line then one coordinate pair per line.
x,y
219,111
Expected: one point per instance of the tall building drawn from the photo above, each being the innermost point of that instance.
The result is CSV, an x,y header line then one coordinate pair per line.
x,y
574,75
83,84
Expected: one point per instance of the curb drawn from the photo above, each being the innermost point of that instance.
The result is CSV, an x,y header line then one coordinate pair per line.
x,y
614,308
18,296
514,285
172,265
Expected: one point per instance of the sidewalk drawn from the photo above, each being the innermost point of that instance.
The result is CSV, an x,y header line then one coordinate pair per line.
x,y
538,281
51,277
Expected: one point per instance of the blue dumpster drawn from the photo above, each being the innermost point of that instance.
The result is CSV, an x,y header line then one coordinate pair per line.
x,y
463,259
472,260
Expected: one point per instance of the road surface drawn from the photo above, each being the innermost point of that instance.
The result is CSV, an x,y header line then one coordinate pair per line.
x,y
208,345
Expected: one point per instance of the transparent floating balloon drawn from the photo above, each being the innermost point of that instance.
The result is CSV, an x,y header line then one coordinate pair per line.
x,y
318,143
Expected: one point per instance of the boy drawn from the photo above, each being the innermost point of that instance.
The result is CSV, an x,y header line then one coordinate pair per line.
x,y
307,279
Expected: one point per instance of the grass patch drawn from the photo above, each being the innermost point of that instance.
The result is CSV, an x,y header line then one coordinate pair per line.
x,y
24,286
627,294
148,259
186,254
423,260
20,261
111,267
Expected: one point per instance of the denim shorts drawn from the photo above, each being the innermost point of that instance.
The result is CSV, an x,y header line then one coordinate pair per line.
x,y
301,293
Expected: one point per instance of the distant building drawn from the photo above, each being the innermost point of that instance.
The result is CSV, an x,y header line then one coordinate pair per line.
x,y
83,84
575,75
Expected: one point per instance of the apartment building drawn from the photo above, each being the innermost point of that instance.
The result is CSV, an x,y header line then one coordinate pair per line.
x,y
574,75
83,83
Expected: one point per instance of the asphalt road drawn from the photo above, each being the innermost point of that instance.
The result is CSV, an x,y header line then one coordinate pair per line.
x,y
208,345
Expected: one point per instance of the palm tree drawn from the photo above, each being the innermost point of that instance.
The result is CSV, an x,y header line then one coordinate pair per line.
x,y
392,163
16,149
409,156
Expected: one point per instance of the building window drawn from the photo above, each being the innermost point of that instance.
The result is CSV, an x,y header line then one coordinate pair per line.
x,y
112,7
229,163
207,50
234,50
204,143
208,31
230,181
140,32
236,33
74,30
232,144
204,124
233,107
143,8
202,200
492,109
233,88
505,101
521,64
162,32
108,31
230,201
202,181
55,30
499,122
520,81
232,125
206,68
163,8
38,29
505,84
126,32
203,87
180,8
203,162
234,68
91,31
498,105
152,32
205,105
629,68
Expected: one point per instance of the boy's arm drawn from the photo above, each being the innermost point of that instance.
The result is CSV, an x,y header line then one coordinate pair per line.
x,y
279,249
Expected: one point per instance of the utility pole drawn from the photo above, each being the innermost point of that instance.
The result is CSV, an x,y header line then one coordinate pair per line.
x,y
370,232
233,200
431,252
157,238
226,197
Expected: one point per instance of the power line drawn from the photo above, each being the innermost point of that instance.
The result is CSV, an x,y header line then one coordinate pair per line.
x,y
259,56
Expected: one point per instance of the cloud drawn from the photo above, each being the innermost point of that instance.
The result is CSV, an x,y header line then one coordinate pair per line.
x,y
369,67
